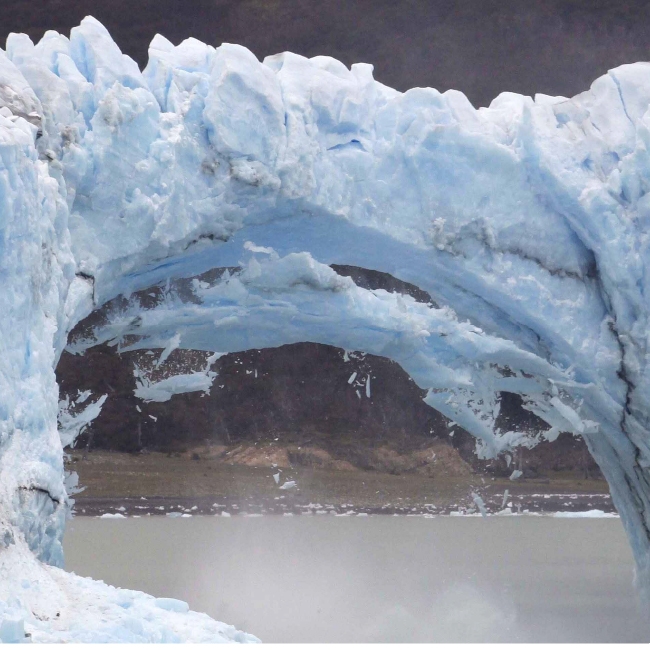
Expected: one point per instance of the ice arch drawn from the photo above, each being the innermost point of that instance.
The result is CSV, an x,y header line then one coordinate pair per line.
x,y
525,221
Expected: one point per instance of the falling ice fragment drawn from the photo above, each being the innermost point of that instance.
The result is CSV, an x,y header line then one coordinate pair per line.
x,y
480,504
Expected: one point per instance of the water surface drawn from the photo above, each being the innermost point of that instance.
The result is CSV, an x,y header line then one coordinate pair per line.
x,y
378,578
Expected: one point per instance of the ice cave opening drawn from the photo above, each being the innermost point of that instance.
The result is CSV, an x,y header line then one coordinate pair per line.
x,y
525,222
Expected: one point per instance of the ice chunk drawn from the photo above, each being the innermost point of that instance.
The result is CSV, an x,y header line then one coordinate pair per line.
x,y
517,473
250,246
587,514
163,390
480,504
72,422
244,112
172,605
173,344
288,485
112,515
12,630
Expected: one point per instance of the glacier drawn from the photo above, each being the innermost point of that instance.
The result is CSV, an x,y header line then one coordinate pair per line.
x,y
234,185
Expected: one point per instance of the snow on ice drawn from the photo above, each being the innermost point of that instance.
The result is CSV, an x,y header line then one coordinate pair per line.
x,y
526,221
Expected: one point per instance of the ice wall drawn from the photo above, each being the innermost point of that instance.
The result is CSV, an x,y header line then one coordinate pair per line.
x,y
525,221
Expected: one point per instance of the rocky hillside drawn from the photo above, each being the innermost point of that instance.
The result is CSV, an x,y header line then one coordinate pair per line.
x,y
306,401
316,405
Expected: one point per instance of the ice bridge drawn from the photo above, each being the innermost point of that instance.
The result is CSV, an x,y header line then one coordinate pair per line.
x,y
527,222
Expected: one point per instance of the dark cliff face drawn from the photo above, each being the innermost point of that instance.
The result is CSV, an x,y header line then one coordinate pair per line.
x,y
296,392
303,394
299,394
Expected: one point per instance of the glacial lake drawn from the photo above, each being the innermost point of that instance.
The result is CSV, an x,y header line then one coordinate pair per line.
x,y
378,578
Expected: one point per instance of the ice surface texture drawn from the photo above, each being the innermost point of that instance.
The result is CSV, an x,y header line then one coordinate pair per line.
x,y
527,223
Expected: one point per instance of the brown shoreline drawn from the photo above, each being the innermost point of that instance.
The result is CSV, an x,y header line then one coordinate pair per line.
x,y
158,484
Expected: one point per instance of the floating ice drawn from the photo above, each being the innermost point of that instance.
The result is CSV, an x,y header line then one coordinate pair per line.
x,y
587,514
112,515
526,222
287,485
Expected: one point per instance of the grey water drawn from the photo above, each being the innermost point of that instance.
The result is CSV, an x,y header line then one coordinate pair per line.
x,y
378,578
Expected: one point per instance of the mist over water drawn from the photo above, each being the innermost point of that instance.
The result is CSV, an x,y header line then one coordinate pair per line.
x,y
382,578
